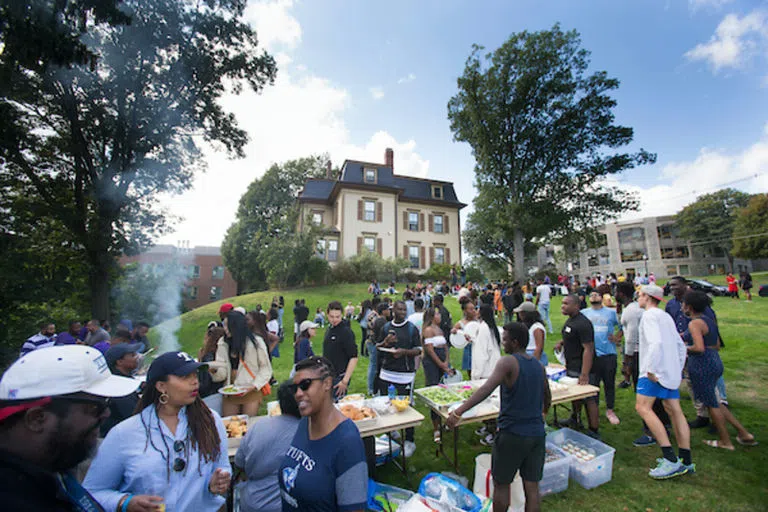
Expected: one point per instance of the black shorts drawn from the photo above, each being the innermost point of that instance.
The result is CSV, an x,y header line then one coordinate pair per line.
x,y
513,453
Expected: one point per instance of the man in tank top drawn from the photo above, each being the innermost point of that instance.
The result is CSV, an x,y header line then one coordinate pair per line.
x,y
525,399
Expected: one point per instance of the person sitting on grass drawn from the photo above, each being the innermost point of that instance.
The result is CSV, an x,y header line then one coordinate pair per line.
x,y
705,367
525,399
662,356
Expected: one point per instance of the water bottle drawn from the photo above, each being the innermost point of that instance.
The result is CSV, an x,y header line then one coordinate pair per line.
x,y
392,392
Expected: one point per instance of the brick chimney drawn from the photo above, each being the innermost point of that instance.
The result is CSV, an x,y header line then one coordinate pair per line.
x,y
328,171
389,158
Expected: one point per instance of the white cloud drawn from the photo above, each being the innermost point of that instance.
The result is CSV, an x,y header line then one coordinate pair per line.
x,y
695,5
408,78
376,92
735,42
709,171
300,115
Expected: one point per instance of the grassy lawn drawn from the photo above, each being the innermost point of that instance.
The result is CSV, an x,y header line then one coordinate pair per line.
x,y
724,481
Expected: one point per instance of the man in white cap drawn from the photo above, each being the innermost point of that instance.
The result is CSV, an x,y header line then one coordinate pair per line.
x,y
662,356
52,404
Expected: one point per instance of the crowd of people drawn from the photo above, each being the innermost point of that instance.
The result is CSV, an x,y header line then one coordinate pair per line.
x,y
164,443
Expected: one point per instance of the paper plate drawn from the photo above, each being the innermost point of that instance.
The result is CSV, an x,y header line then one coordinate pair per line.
x,y
237,391
458,340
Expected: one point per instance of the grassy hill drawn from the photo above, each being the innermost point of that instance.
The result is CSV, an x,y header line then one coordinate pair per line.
x,y
725,480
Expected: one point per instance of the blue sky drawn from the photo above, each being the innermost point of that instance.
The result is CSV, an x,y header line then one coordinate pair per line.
x,y
357,76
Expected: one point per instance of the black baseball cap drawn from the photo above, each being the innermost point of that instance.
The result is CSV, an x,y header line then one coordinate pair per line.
x,y
179,364
119,350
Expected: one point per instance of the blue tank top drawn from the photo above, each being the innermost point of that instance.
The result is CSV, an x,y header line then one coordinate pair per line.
x,y
522,403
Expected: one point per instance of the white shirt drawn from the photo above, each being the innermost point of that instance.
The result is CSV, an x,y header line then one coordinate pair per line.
x,y
630,325
544,292
662,351
417,319
273,326
485,352
531,339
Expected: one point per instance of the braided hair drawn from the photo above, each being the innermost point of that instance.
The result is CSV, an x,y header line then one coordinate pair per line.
x,y
202,433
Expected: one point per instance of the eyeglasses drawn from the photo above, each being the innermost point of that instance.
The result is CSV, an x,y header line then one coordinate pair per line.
x,y
304,384
97,406
179,464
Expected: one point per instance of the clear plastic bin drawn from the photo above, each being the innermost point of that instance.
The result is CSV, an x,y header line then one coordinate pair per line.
x,y
555,476
588,474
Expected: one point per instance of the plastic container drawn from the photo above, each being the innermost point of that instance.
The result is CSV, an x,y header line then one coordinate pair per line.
x,y
592,473
449,492
383,497
556,472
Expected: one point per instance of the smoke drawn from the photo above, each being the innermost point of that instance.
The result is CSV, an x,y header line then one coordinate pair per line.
x,y
167,301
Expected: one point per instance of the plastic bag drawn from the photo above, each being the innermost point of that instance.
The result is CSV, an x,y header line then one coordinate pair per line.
x,y
449,492
386,498
484,485
560,355
452,379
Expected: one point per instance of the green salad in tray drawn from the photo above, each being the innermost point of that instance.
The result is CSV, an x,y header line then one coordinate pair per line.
x,y
463,392
440,395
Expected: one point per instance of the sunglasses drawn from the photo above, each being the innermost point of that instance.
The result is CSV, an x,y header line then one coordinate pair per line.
x,y
304,384
96,406
179,464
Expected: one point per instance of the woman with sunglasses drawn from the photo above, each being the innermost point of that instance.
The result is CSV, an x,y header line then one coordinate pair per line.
x,y
324,468
171,455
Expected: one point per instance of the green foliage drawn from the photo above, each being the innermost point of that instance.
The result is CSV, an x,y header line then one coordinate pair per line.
x,y
543,136
438,272
750,230
708,223
259,246
369,266
92,147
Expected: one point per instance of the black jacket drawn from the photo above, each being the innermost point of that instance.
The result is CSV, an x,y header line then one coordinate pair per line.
x,y
28,488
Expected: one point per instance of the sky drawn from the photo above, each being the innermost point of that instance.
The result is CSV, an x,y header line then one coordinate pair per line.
x,y
356,77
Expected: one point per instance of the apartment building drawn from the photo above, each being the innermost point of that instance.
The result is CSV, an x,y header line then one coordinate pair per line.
x,y
370,208
201,269
642,246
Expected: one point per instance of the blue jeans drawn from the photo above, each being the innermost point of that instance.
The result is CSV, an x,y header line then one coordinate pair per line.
x,y
544,312
373,358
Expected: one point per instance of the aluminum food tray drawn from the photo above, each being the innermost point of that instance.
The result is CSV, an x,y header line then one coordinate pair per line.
x,y
434,405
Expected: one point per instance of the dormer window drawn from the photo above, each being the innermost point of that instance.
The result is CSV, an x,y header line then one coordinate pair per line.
x,y
437,191
369,175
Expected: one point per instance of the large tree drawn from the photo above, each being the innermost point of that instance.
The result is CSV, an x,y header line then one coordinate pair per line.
x,y
263,244
750,230
95,145
544,139
708,222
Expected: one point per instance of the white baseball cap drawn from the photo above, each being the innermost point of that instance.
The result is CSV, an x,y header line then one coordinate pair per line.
x,y
306,324
63,370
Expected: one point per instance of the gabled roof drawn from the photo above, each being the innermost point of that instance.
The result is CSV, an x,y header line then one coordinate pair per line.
x,y
407,188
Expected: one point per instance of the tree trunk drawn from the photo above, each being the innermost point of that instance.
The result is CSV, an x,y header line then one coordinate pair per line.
x,y
99,280
519,254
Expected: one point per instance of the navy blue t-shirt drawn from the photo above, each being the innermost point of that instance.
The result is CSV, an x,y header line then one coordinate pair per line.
x,y
303,350
325,475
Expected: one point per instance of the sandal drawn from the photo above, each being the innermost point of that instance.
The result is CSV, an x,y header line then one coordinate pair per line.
x,y
747,442
714,443
612,418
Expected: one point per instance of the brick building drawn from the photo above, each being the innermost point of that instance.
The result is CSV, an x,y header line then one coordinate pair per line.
x,y
207,279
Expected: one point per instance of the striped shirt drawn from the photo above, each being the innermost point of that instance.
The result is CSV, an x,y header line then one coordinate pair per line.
x,y
37,341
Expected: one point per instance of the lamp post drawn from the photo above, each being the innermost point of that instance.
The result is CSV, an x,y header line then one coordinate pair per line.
x,y
645,260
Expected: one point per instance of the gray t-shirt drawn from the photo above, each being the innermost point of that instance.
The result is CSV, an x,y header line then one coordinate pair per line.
x,y
260,454
93,338
630,325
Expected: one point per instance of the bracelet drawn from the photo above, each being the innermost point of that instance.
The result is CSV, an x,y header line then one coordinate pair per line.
x,y
126,502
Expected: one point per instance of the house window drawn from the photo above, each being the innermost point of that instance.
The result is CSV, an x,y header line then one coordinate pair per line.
x,y
439,254
191,292
370,211
413,255
438,223
674,252
369,243
437,191
413,221
320,249
317,218
684,271
671,270
194,271
218,272
592,260
333,250
370,175
215,293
